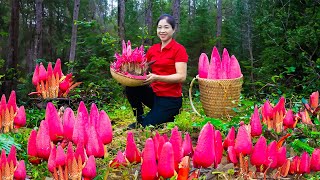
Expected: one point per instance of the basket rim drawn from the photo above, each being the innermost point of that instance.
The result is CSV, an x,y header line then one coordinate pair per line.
x,y
124,76
206,79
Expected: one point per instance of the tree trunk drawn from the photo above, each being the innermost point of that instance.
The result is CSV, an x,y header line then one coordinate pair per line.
x,y
191,11
248,39
12,60
121,17
161,6
176,14
74,33
38,36
148,21
219,24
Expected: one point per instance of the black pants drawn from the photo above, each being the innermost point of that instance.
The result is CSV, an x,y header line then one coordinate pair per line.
x,y
163,109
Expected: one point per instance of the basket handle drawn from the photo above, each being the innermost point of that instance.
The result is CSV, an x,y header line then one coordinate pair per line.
x,y
190,96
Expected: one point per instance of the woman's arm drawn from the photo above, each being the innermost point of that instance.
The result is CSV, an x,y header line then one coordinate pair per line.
x,y
178,77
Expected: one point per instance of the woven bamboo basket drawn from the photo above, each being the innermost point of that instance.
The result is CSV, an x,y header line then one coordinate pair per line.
x,y
218,97
126,81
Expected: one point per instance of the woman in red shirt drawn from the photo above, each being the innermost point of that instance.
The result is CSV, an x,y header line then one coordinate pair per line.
x,y
163,90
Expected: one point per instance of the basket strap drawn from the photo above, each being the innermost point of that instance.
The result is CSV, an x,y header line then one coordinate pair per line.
x,y
225,89
190,96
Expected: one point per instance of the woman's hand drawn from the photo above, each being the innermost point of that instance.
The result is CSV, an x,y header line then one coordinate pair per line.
x,y
151,78
178,77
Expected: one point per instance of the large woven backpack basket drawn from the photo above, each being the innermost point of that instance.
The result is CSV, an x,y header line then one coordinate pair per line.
x,y
218,96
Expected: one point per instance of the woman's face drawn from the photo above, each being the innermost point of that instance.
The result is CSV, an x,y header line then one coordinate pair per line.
x,y
164,30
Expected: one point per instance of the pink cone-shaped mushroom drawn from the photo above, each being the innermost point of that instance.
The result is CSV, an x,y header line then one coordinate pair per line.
x,y
215,54
42,73
132,152
271,160
243,143
255,123
215,58
294,165
61,157
52,159
3,158
68,123
32,148
230,138
218,148
204,154
288,120
166,161
35,77
304,166
43,142
78,135
279,107
315,160
129,50
187,145
281,156
119,160
12,101
149,164
66,83
124,48
176,141
259,153
156,144
212,70
94,115
225,64
57,69
90,170
54,123
104,128
49,71
267,110
85,119
20,173
232,156
234,69
20,119
70,153
95,145
80,152
203,66
3,104
161,143
12,156
314,100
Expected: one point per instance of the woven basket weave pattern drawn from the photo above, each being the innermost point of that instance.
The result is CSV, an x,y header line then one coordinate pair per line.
x,y
218,97
126,81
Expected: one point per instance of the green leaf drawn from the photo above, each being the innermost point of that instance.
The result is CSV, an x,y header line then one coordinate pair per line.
x,y
274,78
315,134
299,146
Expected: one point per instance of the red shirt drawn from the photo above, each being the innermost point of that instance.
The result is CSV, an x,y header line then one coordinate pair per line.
x,y
165,65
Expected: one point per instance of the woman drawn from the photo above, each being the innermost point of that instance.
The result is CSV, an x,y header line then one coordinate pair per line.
x,y
163,90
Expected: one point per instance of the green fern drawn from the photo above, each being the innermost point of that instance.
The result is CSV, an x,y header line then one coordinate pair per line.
x,y
7,141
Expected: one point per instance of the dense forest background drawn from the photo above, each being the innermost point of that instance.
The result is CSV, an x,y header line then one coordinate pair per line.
x,y
276,42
